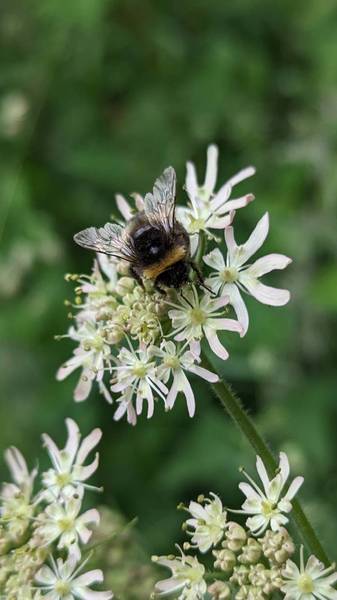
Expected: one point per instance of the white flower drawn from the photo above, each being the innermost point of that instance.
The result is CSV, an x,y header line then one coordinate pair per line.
x,y
212,210
268,506
126,210
310,581
62,582
136,375
69,472
234,275
187,577
17,505
208,522
23,479
62,522
195,317
174,362
91,356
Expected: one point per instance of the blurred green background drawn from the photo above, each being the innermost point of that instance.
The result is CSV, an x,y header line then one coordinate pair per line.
x,y
97,97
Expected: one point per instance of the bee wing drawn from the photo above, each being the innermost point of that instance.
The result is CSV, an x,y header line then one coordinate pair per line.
x,y
160,205
111,239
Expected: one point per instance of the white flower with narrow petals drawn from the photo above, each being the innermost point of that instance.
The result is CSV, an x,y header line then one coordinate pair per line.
x,y
267,506
136,375
17,504
208,522
174,362
210,210
127,211
63,523
310,581
92,356
63,582
195,318
187,577
69,474
233,274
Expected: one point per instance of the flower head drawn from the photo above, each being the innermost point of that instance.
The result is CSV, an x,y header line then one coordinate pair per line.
x,y
233,274
62,523
310,581
62,581
136,375
210,210
187,577
268,506
194,317
208,522
174,361
69,473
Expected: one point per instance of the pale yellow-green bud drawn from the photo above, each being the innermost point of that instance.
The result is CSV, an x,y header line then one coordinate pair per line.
x,y
242,594
240,575
219,590
125,285
258,575
235,536
277,546
251,552
225,560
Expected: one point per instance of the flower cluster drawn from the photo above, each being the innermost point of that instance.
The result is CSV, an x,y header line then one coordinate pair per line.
x,y
250,562
44,533
139,344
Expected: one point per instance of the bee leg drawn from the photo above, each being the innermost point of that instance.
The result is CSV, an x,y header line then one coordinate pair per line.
x,y
200,279
137,277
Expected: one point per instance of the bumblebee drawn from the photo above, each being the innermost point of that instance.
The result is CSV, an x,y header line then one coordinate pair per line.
x,y
154,243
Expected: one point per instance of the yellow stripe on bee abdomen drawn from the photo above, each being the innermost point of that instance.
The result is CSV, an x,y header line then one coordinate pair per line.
x,y
177,253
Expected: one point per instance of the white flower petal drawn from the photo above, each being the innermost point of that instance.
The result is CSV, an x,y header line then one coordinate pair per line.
x,y
236,300
215,260
268,263
123,207
293,488
254,242
264,293
211,168
241,175
215,343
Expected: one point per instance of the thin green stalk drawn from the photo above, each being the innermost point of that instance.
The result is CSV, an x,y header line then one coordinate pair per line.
x,y
234,408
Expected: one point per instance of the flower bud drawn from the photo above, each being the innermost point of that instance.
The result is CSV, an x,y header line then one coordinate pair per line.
x,y
235,536
125,285
277,546
219,590
251,552
240,575
225,560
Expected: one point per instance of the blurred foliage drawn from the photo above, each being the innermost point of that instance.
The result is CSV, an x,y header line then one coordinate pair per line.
x,y
97,98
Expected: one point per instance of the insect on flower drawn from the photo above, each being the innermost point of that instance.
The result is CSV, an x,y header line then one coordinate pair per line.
x,y
154,243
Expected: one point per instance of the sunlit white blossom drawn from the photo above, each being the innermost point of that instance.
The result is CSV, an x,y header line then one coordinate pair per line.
x,y
187,577
309,581
136,376
62,581
208,522
210,210
63,523
268,506
233,274
69,473
174,362
196,317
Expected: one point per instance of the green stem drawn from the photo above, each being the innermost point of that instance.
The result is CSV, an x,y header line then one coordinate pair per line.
x,y
201,250
234,408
